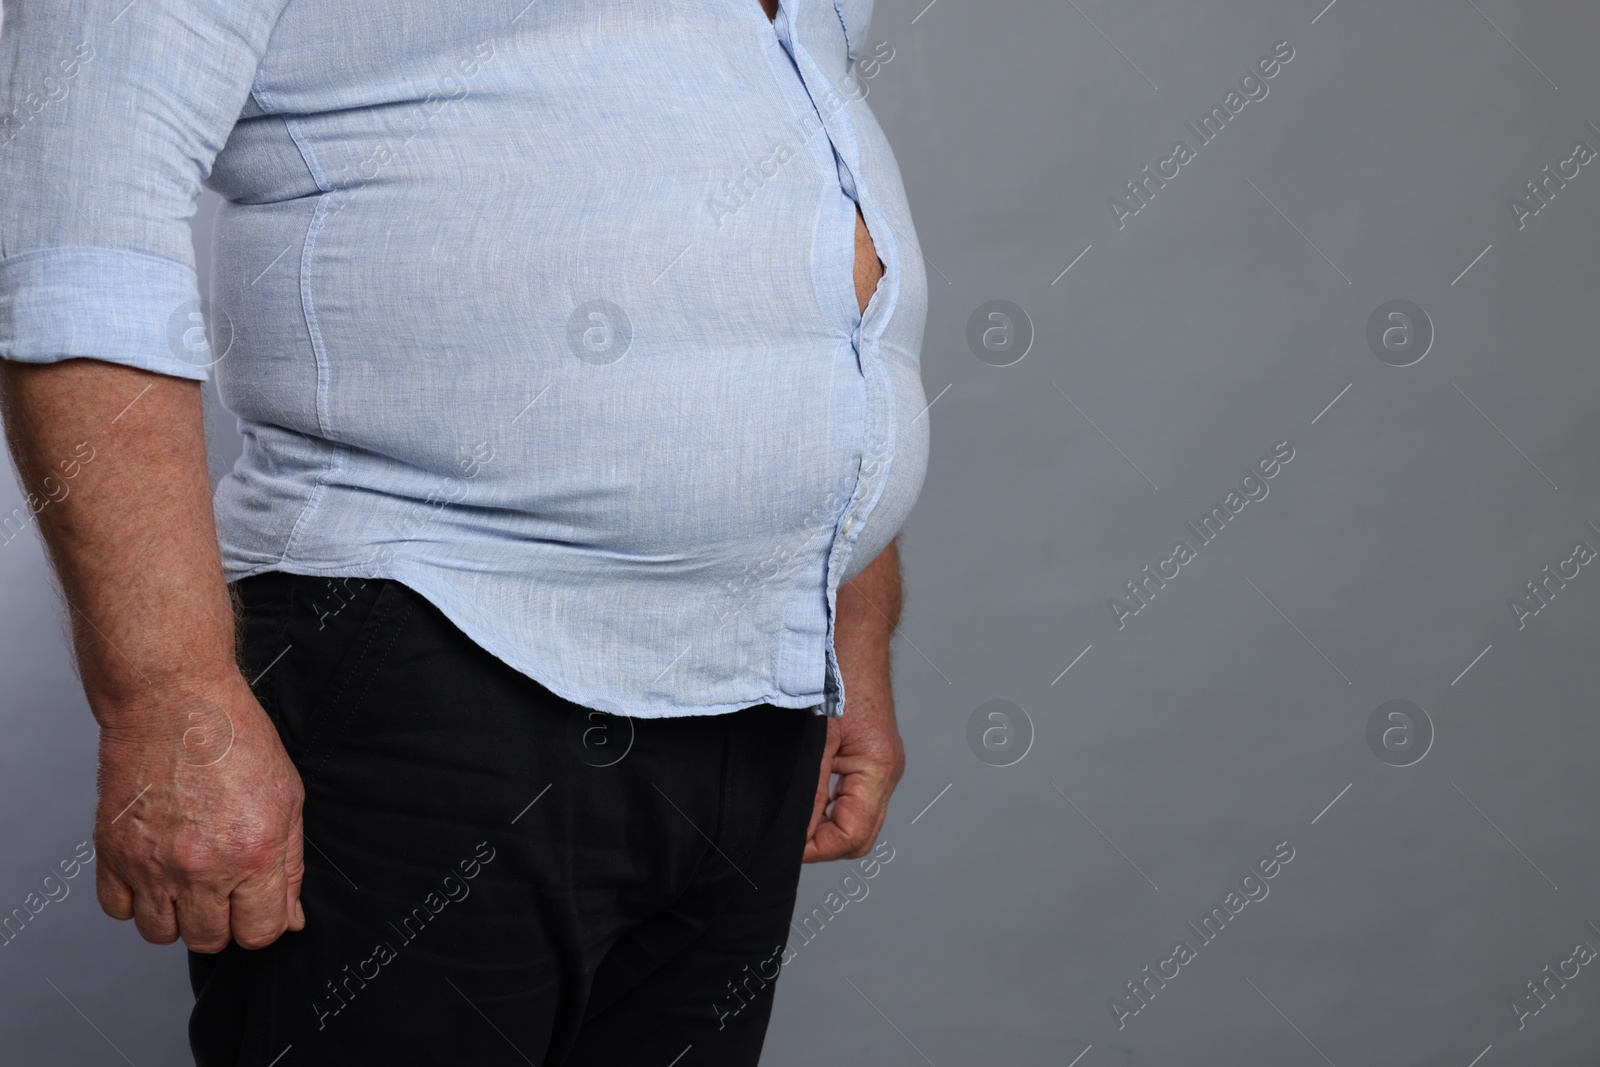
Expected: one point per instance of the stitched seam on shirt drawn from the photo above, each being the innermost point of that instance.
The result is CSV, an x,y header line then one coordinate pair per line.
x,y
307,253
891,438
795,54
314,335
848,130
262,98
335,463
891,259
879,229
891,292
308,309
73,249
846,29
336,459
308,159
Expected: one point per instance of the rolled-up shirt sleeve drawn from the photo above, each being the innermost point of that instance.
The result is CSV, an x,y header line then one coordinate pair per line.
x,y
111,114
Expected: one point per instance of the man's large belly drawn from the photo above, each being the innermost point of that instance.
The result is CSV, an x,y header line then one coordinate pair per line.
x,y
726,415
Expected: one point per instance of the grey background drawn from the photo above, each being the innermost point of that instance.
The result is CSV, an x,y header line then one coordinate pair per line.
x,y
1228,715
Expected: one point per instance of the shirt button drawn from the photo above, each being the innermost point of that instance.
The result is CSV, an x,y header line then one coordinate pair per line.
x,y
849,522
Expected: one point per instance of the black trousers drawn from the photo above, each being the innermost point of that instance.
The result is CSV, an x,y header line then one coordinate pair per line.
x,y
495,875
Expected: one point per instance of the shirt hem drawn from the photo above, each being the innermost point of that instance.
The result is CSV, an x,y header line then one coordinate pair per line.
x,y
489,642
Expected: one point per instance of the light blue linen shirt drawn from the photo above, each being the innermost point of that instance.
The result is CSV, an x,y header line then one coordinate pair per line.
x,y
544,309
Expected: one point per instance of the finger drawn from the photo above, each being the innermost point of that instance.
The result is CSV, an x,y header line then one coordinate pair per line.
x,y
831,842
819,803
154,916
116,899
854,818
203,919
294,871
260,908
823,795
843,835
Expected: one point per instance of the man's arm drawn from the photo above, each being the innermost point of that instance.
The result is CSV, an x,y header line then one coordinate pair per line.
x,y
863,745
198,828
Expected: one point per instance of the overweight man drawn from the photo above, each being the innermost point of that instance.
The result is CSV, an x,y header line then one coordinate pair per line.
x,y
487,710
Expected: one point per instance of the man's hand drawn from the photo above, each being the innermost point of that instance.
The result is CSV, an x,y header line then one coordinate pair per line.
x,y
866,753
863,746
198,827
198,832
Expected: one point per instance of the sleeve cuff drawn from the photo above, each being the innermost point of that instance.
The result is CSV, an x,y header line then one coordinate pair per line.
x,y
124,307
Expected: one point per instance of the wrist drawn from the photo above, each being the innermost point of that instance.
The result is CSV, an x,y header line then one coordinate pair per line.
x,y
158,704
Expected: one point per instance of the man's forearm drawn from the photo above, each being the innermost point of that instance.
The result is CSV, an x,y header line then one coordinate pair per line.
x,y
867,612
198,828
130,532
863,750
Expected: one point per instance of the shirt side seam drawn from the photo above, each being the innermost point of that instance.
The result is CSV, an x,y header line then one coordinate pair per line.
x,y
308,312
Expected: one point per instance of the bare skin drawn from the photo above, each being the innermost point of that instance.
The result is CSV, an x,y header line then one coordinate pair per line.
x,y
197,831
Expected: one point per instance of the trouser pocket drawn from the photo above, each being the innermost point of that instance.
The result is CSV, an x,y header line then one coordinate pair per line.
x,y
312,647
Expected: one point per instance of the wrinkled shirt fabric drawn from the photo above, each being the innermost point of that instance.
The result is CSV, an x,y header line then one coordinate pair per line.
x,y
544,309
